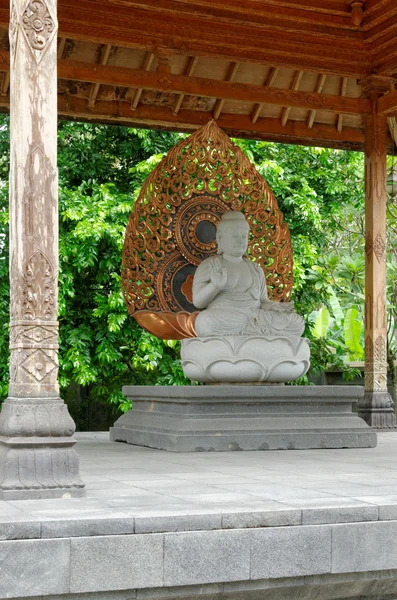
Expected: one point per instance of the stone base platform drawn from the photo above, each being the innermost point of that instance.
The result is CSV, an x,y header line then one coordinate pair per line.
x,y
155,525
238,417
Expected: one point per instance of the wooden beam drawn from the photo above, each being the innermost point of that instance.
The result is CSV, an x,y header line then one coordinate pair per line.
x,y
191,65
220,102
343,89
105,53
146,67
157,117
211,88
295,86
388,67
319,88
271,78
387,104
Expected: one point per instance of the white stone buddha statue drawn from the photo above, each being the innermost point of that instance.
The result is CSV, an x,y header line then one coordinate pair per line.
x,y
232,290
242,336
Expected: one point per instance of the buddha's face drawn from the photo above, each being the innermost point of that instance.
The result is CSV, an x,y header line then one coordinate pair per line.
x,y
233,240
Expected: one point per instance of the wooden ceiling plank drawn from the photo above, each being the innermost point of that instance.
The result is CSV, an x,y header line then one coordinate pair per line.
x,y
147,64
105,53
191,65
375,37
295,86
343,90
220,101
210,88
248,49
389,67
319,88
189,30
254,13
271,78
235,125
376,13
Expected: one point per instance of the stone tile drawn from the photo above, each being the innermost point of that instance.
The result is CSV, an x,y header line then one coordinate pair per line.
x,y
206,557
116,562
360,547
34,568
388,512
262,518
111,525
20,530
172,523
196,592
290,552
339,514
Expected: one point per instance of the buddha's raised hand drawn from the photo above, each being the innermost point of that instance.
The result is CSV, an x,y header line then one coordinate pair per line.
x,y
218,275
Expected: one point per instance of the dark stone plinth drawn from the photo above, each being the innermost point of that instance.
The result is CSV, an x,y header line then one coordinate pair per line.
x,y
233,417
377,409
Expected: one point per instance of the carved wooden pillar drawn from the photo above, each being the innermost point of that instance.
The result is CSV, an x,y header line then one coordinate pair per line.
x,y
377,408
37,459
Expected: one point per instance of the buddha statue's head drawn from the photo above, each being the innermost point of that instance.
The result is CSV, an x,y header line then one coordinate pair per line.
x,y
232,234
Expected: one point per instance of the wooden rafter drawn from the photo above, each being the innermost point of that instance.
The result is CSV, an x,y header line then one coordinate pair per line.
x,y
295,86
191,65
211,88
319,89
343,90
61,47
105,53
5,84
271,78
220,101
147,64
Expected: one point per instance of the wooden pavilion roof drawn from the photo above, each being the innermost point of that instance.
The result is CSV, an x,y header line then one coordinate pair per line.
x,y
285,70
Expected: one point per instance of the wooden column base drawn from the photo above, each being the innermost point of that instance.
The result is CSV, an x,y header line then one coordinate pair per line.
x,y
377,409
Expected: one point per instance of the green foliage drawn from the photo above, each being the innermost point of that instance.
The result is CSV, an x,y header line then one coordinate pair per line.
x,y
101,170
321,323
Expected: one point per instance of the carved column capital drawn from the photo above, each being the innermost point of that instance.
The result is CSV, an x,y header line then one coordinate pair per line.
x,y
375,85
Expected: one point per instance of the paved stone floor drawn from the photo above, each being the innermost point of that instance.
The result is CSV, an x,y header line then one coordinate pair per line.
x,y
159,489
155,525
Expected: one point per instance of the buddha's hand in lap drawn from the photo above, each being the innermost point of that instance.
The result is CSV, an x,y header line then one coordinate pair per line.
x,y
218,275
285,307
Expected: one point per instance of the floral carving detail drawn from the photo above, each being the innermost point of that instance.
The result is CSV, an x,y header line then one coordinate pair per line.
x,y
39,290
376,364
380,350
39,26
379,247
39,365
28,336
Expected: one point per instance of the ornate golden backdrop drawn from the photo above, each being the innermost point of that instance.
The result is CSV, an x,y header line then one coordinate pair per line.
x,y
173,225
